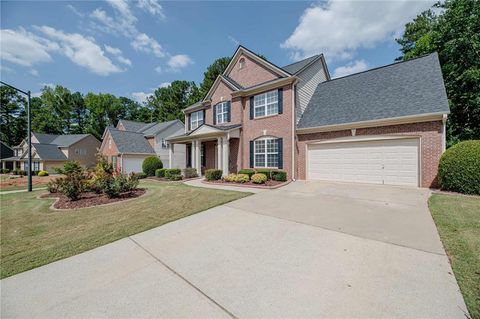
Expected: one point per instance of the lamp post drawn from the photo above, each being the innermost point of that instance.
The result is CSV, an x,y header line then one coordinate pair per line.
x,y
29,133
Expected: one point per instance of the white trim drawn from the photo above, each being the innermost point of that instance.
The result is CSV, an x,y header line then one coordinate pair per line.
x,y
241,50
374,123
264,105
444,132
215,85
197,121
265,152
224,113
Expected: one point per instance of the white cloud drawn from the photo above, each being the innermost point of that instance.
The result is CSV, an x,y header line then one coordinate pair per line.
x,y
118,55
143,42
24,48
75,11
158,69
179,61
338,28
153,7
33,72
81,50
141,97
165,84
352,67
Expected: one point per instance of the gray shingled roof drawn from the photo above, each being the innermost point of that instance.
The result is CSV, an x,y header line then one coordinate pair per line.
x,y
133,126
49,152
297,66
407,88
157,127
44,138
130,142
67,140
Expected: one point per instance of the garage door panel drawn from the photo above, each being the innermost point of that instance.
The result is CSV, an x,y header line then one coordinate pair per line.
x,y
393,162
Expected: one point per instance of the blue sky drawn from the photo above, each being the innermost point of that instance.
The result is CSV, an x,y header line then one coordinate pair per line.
x,y
131,48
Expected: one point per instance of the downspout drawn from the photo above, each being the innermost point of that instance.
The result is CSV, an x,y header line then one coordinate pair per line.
x,y
444,132
294,123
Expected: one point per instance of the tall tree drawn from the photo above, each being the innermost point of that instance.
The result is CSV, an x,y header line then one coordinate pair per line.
x,y
455,34
168,102
210,75
103,110
12,116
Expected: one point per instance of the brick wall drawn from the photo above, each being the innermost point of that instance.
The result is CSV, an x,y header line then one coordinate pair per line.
x,y
105,150
223,93
430,134
253,73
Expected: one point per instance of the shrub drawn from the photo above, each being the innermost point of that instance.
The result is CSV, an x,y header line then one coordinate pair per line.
x,y
190,172
160,172
213,174
259,178
42,173
118,185
175,177
140,175
54,185
151,164
266,171
459,168
169,172
242,178
69,168
280,176
5,171
20,172
247,171
230,178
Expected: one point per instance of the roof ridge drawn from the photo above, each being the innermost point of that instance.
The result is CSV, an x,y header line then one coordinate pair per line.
x,y
381,67
302,60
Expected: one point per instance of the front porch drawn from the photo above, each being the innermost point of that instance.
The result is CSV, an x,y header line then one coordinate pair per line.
x,y
209,147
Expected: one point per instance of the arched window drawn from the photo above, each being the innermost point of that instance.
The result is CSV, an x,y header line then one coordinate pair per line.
x,y
266,152
241,63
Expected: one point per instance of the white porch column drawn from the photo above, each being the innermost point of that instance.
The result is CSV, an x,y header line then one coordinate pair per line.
x,y
198,160
192,155
219,153
226,155
170,155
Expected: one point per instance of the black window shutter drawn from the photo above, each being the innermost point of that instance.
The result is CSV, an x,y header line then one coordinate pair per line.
x,y
280,101
251,108
229,111
214,115
280,152
204,116
251,154
189,122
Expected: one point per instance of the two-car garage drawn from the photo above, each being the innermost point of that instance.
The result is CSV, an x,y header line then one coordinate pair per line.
x,y
378,161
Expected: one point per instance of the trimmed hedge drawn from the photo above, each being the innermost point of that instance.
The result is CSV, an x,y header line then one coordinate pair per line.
x,y
42,173
151,164
4,171
280,176
175,177
459,168
213,174
230,178
259,178
170,172
247,171
160,172
242,178
265,171
190,172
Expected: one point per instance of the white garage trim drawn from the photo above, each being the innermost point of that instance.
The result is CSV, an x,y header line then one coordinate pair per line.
x,y
366,139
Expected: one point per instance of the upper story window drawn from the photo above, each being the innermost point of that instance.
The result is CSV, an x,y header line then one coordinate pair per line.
x,y
266,152
241,63
266,104
196,119
164,143
222,111
110,143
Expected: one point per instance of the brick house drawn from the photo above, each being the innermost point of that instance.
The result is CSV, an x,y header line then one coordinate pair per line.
x,y
385,125
130,142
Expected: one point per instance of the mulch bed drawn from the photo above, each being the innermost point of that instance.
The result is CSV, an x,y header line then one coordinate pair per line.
x,y
268,184
91,199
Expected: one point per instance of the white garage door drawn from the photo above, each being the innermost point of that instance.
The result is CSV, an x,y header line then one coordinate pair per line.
x,y
393,162
132,163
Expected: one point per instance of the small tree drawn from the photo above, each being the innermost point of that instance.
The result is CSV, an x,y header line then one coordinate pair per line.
x,y
151,164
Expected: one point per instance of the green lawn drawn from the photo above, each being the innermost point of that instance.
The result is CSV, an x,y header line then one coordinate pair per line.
x,y
32,235
458,221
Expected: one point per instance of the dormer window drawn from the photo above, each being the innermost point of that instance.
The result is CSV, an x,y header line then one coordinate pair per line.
x,y
241,63
196,119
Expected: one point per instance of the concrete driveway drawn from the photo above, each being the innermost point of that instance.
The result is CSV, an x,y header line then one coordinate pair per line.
x,y
305,250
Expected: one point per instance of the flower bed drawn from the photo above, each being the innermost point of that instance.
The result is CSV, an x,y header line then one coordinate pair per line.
x,y
271,184
90,199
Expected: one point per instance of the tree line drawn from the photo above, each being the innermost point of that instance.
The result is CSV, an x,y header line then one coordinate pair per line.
x,y
60,111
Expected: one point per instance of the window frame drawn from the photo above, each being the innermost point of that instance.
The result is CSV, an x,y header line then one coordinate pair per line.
x,y
198,121
114,165
265,152
163,143
223,114
265,104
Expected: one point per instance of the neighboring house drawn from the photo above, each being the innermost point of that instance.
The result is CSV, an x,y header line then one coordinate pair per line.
x,y
52,151
6,152
384,126
127,145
